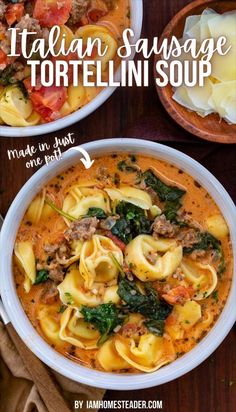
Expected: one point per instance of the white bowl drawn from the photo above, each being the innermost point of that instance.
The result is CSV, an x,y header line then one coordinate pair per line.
x,y
136,13
18,317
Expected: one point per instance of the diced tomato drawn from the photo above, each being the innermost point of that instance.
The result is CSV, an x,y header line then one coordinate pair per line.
x,y
47,101
3,30
116,240
171,320
95,14
97,10
14,13
180,295
3,57
52,12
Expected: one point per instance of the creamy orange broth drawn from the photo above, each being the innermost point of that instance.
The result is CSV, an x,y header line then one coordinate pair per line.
x,y
197,202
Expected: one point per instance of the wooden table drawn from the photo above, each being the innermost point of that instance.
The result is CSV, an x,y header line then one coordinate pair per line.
x,y
137,112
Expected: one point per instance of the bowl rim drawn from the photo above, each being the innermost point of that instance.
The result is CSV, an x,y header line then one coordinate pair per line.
x,y
12,131
169,104
22,324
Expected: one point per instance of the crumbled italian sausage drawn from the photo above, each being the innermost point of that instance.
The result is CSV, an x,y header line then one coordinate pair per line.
x,y
82,229
164,227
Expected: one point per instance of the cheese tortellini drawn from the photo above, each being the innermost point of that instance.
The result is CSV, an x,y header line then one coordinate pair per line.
x,y
77,332
15,109
97,260
38,209
183,318
108,41
72,290
25,257
147,354
152,259
217,226
132,195
203,278
79,199
48,319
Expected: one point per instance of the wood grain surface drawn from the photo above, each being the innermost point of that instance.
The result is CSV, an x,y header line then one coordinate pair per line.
x,y
137,112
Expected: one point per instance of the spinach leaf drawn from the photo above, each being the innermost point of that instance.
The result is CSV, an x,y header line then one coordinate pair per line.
x,y
6,75
208,242
148,305
41,277
164,192
170,211
132,222
171,195
155,326
105,318
96,212
127,167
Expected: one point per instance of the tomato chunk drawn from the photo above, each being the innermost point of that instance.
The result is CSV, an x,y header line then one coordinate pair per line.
x,y
52,12
47,101
3,57
180,295
97,10
14,12
116,240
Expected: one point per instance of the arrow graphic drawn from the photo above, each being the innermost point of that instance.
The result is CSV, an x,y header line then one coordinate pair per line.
x,y
86,160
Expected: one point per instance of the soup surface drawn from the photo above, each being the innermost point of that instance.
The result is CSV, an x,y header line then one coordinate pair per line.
x,y
79,20
123,267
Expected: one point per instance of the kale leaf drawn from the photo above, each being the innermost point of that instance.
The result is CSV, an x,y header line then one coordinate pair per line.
x,y
96,212
41,277
171,195
149,305
105,318
132,222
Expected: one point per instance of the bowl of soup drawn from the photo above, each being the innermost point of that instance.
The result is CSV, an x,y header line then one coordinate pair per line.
x,y
121,276
39,109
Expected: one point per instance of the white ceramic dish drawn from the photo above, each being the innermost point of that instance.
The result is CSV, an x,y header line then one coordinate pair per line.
x,y
136,13
22,324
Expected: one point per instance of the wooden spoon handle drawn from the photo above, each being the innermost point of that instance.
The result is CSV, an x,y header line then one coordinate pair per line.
x,y
43,379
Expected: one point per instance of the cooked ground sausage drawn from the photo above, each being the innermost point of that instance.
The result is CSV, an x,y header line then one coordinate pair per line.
x,y
163,227
2,9
82,229
50,293
188,237
78,10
